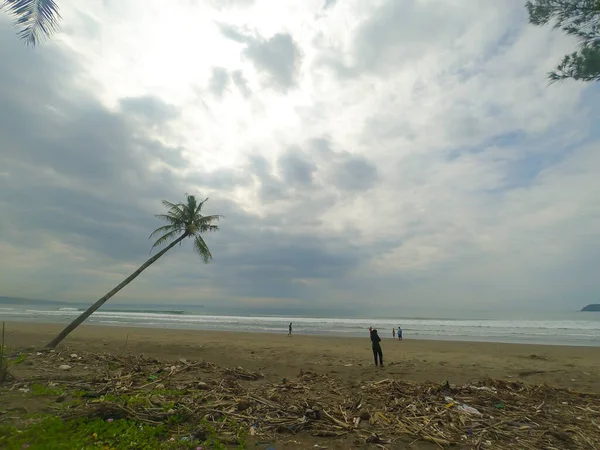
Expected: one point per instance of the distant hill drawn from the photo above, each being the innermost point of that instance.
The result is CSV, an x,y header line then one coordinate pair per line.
x,y
27,301
110,306
592,307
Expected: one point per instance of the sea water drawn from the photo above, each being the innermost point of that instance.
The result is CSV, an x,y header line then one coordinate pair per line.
x,y
572,328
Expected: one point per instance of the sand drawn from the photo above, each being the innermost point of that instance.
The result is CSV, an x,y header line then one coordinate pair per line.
x,y
278,356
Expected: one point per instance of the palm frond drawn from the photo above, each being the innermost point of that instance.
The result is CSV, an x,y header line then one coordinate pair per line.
x,y
202,249
35,19
200,205
166,238
210,219
173,206
175,210
169,218
163,229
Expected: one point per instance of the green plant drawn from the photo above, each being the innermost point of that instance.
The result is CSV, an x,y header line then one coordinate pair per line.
x,y
41,390
577,18
53,433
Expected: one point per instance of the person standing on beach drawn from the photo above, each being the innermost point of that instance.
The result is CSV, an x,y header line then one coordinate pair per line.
x,y
393,333
290,330
399,333
375,343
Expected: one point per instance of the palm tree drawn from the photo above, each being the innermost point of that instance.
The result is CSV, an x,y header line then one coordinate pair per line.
x,y
35,19
184,221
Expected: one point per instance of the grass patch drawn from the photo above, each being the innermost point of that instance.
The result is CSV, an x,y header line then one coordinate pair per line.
x,y
53,433
40,390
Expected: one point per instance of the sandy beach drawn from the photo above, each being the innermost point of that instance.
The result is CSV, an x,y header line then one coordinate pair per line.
x,y
278,356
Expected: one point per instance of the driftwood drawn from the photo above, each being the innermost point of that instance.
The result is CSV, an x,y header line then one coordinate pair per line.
x,y
483,414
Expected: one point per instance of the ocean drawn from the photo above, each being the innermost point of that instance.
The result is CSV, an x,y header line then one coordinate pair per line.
x,y
570,328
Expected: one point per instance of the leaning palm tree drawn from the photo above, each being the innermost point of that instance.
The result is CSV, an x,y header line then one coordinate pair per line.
x,y
35,19
184,220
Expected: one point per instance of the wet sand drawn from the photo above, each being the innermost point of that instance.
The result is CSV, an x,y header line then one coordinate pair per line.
x,y
278,356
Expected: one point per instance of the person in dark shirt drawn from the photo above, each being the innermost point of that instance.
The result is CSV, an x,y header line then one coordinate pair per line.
x,y
377,353
290,330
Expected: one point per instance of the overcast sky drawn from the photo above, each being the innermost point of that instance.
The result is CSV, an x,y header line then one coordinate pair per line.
x,y
365,154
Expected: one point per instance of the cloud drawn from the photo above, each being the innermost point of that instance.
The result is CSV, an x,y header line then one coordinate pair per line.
x,y
148,108
295,169
229,4
279,56
218,81
329,4
241,83
406,153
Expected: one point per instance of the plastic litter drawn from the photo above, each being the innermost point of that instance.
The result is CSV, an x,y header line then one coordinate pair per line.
x,y
461,406
468,409
482,388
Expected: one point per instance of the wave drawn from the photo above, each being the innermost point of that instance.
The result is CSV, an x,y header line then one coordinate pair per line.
x,y
130,311
571,329
146,311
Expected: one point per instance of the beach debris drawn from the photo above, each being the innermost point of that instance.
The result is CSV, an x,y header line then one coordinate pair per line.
x,y
460,406
482,388
485,414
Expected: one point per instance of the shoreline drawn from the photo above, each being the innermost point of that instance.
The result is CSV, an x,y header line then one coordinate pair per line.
x,y
350,335
278,356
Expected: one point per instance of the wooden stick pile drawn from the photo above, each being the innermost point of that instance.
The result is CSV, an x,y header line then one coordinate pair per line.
x,y
488,414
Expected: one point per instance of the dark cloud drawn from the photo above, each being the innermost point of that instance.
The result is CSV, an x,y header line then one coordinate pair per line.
x,y
295,169
271,188
219,81
346,171
355,174
394,34
279,57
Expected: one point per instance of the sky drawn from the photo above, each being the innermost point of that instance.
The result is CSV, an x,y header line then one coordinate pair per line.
x,y
367,156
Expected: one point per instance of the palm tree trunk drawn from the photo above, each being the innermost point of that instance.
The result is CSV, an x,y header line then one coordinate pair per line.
x,y
88,312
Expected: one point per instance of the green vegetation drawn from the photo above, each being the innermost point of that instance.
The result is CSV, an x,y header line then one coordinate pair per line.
x,y
578,18
54,433
41,390
184,220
